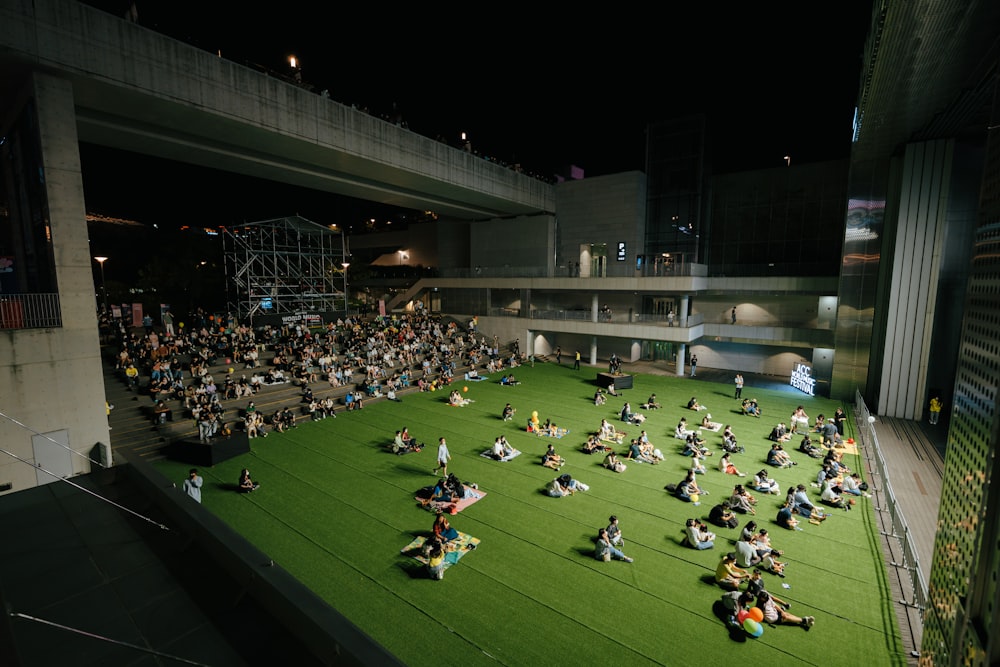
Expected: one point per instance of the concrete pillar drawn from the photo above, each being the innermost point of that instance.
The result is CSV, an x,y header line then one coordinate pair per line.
x,y
526,302
681,357
594,307
593,350
682,316
35,361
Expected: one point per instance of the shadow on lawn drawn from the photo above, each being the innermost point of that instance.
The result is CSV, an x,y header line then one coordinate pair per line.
x,y
736,634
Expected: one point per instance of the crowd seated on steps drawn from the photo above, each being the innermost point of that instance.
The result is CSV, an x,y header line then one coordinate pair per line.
x,y
200,368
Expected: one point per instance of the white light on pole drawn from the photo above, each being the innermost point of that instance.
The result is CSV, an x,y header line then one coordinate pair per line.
x,y
104,287
345,265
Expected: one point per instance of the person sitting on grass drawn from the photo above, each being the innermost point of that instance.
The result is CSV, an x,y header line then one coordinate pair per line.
x,y
775,615
785,517
594,445
694,405
853,485
764,484
688,490
615,532
635,453
742,501
434,552
694,444
830,496
440,494
779,433
707,422
651,403
722,515
401,446
599,398
698,463
552,460
605,551
770,563
508,413
697,535
728,574
800,501
778,457
809,449
727,466
751,407
443,529
246,483
611,462
564,485
682,431
756,584
735,602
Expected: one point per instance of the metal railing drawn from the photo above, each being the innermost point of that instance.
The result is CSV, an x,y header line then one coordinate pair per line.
x,y
901,553
585,315
30,311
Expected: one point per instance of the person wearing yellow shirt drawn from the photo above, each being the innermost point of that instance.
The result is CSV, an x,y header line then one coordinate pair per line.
x,y
935,410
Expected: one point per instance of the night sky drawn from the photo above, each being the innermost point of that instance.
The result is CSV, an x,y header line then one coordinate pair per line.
x,y
775,79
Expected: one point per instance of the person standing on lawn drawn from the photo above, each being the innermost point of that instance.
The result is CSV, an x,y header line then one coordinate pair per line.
x,y
192,485
442,458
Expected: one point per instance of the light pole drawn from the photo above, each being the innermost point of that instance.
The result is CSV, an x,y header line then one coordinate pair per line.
x,y
104,287
345,265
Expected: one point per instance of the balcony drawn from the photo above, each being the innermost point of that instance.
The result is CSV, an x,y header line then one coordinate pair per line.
x,y
30,311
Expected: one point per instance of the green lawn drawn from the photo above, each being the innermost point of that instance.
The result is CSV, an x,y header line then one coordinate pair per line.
x,y
335,508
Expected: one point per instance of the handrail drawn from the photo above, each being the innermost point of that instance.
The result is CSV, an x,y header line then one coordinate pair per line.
x,y
900,550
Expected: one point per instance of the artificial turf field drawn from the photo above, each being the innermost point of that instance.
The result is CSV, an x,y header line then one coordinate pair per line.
x,y
335,508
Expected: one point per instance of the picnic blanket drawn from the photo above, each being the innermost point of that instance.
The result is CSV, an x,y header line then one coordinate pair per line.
x,y
543,433
471,496
488,454
460,546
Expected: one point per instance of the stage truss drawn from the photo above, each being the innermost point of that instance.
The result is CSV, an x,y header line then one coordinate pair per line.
x,y
285,266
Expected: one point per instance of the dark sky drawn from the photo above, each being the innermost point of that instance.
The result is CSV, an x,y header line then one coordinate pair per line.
x,y
579,88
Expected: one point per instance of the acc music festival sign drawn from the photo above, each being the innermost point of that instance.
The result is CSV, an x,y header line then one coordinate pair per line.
x,y
802,379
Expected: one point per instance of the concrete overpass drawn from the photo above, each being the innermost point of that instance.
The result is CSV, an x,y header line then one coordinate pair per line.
x,y
137,90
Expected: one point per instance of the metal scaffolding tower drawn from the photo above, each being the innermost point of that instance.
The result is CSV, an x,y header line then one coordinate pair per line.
x,y
285,266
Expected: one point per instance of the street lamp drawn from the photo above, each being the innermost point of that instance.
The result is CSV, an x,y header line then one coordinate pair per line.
x,y
104,287
345,265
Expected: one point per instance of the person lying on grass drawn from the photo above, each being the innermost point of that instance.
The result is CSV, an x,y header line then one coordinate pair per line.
x,y
775,615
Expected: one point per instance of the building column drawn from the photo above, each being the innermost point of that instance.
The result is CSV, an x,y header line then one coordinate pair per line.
x,y
682,316
681,356
594,306
526,302
593,350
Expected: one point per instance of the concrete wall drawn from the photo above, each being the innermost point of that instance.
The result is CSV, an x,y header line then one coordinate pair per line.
x,y
602,210
53,378
524,241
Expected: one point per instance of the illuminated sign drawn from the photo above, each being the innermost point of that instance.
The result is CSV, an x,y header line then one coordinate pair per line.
x,y
266,304
621,251
802,379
